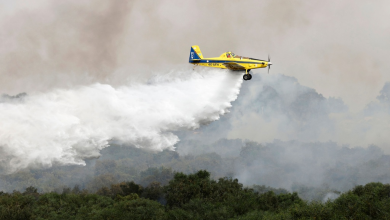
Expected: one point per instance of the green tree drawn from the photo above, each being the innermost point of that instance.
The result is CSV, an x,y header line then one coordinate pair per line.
x,y
16,206
136,209
153,192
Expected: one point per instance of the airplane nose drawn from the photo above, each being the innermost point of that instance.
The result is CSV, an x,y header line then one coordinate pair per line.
x,y
269,63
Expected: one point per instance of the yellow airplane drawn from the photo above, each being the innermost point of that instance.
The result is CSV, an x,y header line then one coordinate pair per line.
x,y
228,60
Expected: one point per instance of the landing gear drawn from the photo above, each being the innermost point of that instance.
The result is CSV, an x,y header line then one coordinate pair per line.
x,y
247,75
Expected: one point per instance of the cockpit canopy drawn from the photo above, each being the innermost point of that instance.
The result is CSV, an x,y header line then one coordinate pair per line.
x,y
230,54
233,55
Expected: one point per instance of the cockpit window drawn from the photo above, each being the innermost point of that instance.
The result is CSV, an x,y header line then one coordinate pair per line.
x,y
233,55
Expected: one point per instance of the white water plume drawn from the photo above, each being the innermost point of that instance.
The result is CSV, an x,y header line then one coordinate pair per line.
x,y
66,126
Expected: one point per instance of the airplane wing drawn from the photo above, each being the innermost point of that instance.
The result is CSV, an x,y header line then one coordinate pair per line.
x,y
234,66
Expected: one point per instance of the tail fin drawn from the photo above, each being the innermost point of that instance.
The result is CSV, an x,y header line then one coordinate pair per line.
x,y
195,54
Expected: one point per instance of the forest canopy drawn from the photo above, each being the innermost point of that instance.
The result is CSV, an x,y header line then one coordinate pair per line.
x,y
192,196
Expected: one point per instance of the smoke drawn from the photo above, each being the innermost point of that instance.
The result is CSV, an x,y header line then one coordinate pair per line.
x,y
339,50
65,126
85,66
46,45
283,134
275,106
330,197
313,164
278,107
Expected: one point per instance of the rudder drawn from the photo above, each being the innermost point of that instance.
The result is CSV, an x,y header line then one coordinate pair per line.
x,y
195,54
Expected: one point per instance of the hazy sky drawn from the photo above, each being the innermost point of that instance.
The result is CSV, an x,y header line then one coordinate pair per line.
x,y
340,48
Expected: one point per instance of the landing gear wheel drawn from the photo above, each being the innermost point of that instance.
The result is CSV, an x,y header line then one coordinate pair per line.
x,y
247,76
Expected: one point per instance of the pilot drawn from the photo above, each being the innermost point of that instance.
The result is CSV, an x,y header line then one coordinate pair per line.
x,y
228,55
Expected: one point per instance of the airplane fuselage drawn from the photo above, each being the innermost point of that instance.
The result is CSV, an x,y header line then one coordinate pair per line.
x,y
217,62
229,61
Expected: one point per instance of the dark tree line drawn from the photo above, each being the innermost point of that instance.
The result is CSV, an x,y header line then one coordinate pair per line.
x,y
192,196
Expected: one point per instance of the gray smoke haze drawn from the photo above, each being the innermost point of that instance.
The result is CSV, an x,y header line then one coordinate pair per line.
x,y
285,110
314,169
279,107
333,56
332,46
283,134
46,45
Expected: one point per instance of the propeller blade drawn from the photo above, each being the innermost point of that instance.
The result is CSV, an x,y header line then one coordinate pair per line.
x,y
269,64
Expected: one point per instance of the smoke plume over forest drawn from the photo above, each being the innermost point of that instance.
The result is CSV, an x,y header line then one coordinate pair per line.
x,y
97,92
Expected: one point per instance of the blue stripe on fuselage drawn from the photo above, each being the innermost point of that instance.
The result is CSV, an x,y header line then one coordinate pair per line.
x,y
225,61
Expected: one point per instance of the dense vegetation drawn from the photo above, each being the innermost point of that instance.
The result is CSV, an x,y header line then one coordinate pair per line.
x,y
192,196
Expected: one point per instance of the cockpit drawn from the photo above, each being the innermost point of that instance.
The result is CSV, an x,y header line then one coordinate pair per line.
x,y
233,55
230,55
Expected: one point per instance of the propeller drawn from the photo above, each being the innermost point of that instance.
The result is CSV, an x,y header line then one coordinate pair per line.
x,y
269,63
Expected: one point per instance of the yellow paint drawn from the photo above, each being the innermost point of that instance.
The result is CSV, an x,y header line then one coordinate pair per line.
x,y
229,60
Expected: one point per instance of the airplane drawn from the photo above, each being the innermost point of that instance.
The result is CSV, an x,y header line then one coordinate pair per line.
x,y
228,60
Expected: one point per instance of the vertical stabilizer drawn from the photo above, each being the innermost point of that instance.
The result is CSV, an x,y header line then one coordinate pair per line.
x,y
195,54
